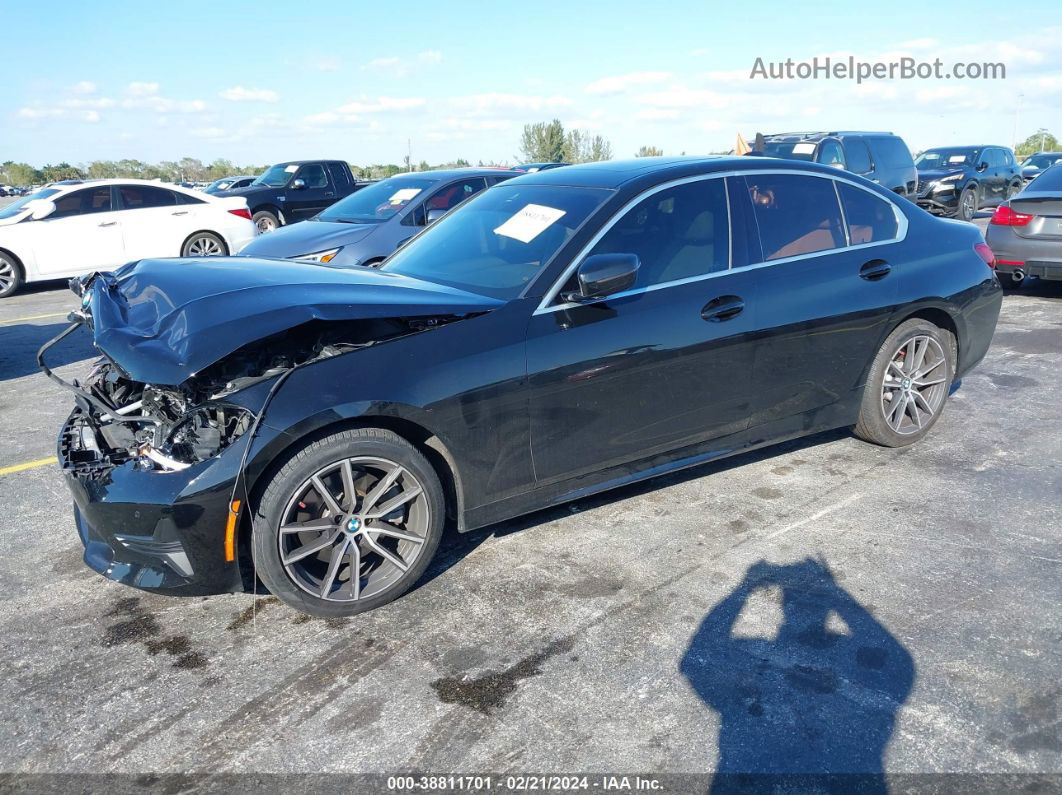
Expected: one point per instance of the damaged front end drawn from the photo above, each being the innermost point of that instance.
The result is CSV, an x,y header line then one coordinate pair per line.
x,y
192,353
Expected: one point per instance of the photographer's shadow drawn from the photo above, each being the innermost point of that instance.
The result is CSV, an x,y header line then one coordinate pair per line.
x,y
807,705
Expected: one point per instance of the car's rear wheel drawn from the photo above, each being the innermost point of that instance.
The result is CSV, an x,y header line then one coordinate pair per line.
x,y
349,523
266,221
908,384
967,204
10,275
204,244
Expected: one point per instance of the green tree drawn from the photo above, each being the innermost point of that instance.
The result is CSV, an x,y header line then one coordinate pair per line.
x,y
649,151
12,173
60,171
1039,141
543,142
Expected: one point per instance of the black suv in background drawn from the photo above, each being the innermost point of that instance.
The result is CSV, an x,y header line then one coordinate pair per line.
x,y
296,190
881,157
958,180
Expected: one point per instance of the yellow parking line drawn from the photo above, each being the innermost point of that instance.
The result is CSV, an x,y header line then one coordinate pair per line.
x,y
33,317
40,462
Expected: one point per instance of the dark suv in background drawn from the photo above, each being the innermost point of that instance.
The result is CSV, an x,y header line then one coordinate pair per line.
x,y
958,180
1037,163
881,157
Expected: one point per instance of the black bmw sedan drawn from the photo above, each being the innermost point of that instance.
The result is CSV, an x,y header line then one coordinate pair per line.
x,y
563,333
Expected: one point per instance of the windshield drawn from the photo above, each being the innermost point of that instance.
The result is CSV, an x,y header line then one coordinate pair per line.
x,y
277,176
946,158
377,202
219,184
498,242
791,150
1042,161
13,209
1049,179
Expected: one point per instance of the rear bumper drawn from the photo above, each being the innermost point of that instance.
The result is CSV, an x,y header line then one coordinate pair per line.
x,y
1035,257
158,531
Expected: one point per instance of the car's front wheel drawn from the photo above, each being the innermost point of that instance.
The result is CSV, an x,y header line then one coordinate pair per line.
x,y
10,275
967,204
349,523
907,385
204,244
265,221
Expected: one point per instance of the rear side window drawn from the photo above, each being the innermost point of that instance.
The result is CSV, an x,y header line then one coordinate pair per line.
x,y
870,218
340,176
83,202
184,198
138,197
891,152
795,214
858,155
677,233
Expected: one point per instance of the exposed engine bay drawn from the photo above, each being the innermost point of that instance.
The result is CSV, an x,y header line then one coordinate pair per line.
x,y
167,428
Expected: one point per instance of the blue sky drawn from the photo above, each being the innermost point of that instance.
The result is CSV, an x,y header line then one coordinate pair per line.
x,y
268,81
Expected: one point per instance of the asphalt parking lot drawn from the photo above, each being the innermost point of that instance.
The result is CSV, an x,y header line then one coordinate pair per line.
x,y
902,608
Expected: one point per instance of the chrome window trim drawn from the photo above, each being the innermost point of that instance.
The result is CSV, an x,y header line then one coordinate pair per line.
x,y
545,306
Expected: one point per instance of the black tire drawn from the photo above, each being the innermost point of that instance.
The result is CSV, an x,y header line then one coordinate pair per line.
x,y
967,206
266,221
10,275
286,496
204,244
874,425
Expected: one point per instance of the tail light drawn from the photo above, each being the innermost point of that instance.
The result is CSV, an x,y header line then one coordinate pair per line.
x,y
243,212
985,253
1005,216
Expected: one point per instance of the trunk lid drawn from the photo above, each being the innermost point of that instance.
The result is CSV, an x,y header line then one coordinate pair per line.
x,y
1047,211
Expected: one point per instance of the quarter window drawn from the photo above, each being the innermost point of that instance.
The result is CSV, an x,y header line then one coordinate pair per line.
x,y
140,197
870,218
677,233
83,202
795,214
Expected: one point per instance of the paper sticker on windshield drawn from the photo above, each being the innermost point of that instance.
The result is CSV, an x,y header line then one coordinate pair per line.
x,y
292,169
803,149
529,223
403,195
957,158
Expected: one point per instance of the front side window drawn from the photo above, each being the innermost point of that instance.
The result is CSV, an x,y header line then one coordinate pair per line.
x,y
83,202
831,154
445,199
676,233
142,197
314,176
795,214
499,242
858,155
870,218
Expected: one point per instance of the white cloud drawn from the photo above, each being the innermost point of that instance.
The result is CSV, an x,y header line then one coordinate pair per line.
x,y
700,52
208,132
98,103
620,83
501,104
430,56
381,104
83,87
384,63
91,116
325,64
403,66
241,94
142,89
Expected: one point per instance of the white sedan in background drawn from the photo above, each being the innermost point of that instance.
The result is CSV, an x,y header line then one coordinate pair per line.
x,y
72,229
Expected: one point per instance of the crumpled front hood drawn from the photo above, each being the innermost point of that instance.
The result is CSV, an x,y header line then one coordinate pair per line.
x,y
931,174
308,237
163,321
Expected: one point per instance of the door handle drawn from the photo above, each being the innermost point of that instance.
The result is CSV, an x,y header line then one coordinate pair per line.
x,y
875,269
180,212
108,223
723,308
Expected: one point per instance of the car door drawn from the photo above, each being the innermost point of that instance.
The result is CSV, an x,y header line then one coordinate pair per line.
x,y
154,222
826,289
317,193
662,366
83,234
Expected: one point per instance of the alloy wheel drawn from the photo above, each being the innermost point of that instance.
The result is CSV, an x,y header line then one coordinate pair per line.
x,y
353,528
968,208
915,385
7,275
266,225
205,246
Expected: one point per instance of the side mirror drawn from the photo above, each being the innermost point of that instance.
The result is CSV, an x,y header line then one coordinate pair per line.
x,y
42,208
298,184
434,215
982,166
604,274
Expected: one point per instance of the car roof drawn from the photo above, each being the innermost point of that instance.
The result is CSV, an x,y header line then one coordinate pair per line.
x,y
818,136
615,173
304,162
449,173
